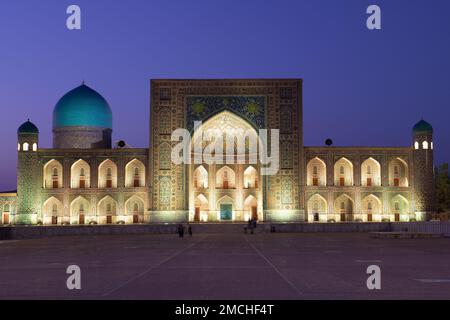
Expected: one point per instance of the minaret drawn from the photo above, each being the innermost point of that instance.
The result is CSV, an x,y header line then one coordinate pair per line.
x,y
423,172
27,174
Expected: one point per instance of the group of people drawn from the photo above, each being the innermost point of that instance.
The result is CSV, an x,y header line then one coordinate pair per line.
x,y
181,230
251,225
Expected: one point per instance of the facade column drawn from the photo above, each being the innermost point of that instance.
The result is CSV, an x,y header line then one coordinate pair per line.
x,y
94,202
67,164
357,172
384,171
330,200
191,189
239,195
358,207
121,173
212,192
385,202
120,210
260,193
330,170
94,163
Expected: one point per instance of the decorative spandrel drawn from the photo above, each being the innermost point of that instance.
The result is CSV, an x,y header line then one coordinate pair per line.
x,y
251,108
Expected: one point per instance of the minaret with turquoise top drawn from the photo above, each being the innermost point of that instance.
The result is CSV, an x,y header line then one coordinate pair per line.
x,y
423,171
28,174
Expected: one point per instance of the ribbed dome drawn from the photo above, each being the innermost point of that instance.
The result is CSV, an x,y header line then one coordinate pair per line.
x,y
82,107
28,127
422,127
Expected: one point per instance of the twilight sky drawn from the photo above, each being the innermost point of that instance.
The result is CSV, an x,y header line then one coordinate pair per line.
x,y
361,87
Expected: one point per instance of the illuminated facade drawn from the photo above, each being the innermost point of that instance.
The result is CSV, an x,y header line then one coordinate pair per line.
x,y
83,179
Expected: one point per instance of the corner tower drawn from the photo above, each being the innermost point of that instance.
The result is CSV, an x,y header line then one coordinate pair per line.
x,y
423,179
27,174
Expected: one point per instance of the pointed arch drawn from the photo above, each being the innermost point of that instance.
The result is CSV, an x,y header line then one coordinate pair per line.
x,y
52,211
135,174
225,178
226,199
107,206
107,210
228,126
398,173
317,208
322,208
201,202
316,172
200,177
250,177
80,210
343,172
80,175
344,206
201,205
226,208
250,208
130,205
107,174
135,209
371,208
53,174
370,173
399,204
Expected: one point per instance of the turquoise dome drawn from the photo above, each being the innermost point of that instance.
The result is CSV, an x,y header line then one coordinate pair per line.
x,y
82,107
422,127
28,127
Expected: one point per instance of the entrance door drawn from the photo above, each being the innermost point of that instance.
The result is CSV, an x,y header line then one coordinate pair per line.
x,y
342,217
397,217
135,218
315,182
255,213
82,184
54,220
109,219
396,182
197,214
369,182
342,182
109,184
55,184
6,218
369,217
81,219
226,212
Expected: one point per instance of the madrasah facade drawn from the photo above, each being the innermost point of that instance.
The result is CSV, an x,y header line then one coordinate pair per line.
x,y
85,179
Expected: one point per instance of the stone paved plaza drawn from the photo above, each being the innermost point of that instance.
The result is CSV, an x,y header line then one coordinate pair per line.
x,y
225,266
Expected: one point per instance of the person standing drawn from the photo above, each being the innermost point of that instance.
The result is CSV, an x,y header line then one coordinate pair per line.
x,y
190,230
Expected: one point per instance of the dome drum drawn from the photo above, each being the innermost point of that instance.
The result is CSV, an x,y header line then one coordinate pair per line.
x,y
82,138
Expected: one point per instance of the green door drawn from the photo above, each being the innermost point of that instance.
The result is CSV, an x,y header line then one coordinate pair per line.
x,y
226,212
